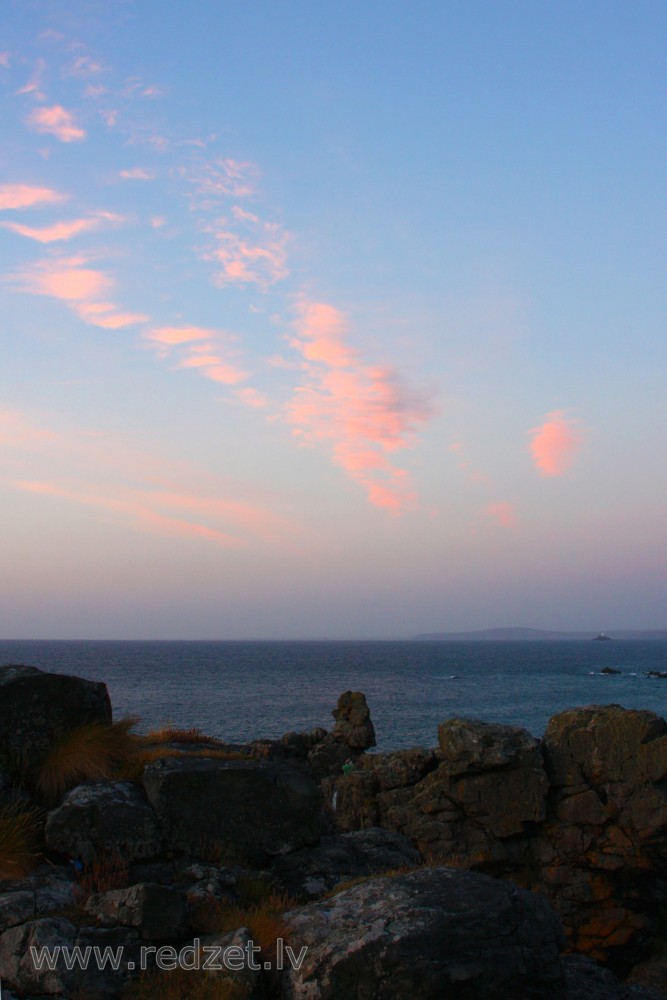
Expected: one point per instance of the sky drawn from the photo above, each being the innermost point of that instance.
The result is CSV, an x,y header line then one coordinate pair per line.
x,y
331,320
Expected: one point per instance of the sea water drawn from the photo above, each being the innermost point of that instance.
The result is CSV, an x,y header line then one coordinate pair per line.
x,y
244,690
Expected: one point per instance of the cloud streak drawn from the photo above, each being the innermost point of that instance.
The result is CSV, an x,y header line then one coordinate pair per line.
x,y
365,413
14,196
554,444
62,231
212,353
83,289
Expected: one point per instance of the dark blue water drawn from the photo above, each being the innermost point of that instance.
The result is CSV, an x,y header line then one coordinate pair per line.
x,y
241,690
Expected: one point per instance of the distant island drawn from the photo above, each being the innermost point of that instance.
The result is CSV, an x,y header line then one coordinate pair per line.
x,y
538,635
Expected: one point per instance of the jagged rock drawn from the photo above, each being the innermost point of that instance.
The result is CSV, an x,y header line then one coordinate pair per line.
x,y
651,976
489,785
312,871
353,721
111,817
430,934
37,707
256,809
22,973
600,857
159,911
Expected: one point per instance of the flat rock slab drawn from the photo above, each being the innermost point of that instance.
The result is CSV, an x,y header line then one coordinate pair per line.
x,y
432,934
253,810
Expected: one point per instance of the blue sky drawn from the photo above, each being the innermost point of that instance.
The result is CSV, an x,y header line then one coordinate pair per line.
x,y
330,319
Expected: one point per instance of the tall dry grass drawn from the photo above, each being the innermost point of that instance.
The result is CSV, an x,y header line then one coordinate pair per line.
x,y
94,751
20,836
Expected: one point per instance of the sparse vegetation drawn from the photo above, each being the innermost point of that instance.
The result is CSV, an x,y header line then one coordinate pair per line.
x,y
94,751
105,872
171,734
184,984
262,916
20,835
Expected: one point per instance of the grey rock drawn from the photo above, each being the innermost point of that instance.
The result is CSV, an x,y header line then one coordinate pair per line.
x,y
313,871
110,817
19,970
159,911
257,809
470,746
430,934
37,708
586,980
44,891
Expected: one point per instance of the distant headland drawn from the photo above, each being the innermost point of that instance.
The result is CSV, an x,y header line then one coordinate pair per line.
x,y
539,635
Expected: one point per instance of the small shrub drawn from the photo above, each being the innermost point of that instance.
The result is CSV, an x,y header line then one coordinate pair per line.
x,y
93,751
20,835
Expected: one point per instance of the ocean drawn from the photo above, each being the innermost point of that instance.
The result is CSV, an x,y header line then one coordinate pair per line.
x,y
243,690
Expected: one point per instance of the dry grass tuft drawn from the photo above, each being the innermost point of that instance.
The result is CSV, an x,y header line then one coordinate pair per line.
x,y
171,734
109,870
94,751
263,919
20,835
184,984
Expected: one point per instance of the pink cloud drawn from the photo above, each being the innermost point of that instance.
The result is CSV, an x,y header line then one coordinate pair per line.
x,y
82,288
211,352
251,397
554,444
25,196
139,508
136,174
5,60
62,230
56,121
363,412
257,255
502,513
223,178
170,335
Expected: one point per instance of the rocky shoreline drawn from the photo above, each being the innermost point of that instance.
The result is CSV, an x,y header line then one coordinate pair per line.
x,y
492,866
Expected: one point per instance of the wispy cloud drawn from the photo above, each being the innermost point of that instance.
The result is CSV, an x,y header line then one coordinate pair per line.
x,y
60,231
555,443
56,121
248,251
138,490
213,353
5,60
26,195
365,413
136,174
84,289
221,179
501,513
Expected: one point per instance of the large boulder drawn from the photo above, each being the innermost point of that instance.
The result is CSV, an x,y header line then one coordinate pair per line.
x,y
252,810
353,721
107,817
37,708
430,934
